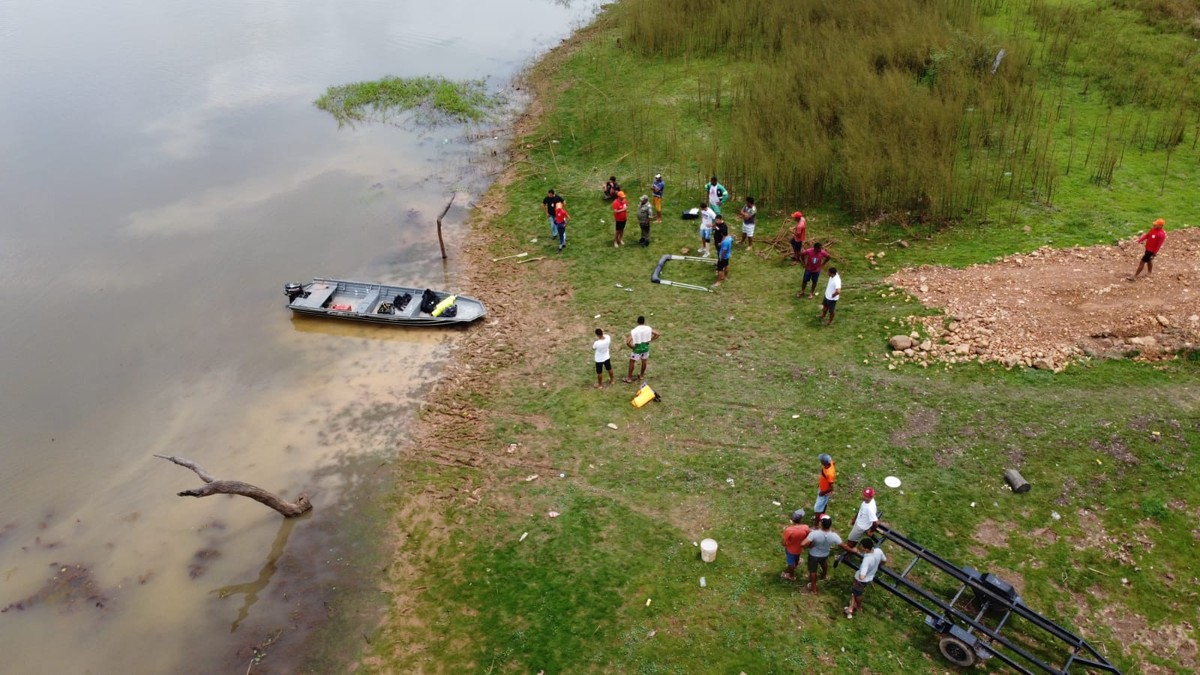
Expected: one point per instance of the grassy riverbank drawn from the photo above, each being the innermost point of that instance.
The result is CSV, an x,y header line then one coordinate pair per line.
x,y
753,388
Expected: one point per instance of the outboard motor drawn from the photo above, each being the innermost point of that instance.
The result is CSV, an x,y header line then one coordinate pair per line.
x,y
293,291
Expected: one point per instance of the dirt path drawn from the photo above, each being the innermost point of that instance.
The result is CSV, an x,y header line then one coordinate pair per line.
x,y
1046,307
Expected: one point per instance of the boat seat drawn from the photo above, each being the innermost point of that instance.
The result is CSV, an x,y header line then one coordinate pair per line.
x,y
317,296
366,304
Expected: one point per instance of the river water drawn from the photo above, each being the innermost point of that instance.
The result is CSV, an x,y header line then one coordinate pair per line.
x,y
162,173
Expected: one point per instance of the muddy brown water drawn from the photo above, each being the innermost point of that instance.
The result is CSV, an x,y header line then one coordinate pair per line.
x,y
163,174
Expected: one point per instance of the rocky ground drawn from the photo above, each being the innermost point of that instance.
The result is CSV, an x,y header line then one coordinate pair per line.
x,y
1044,308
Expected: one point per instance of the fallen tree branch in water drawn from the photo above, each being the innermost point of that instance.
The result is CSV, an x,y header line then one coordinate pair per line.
x,y
212,486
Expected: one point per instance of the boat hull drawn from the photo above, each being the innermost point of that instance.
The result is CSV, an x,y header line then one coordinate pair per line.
x,y
376,303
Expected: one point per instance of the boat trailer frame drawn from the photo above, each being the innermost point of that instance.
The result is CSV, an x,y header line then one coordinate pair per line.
x,y
656,277
963,638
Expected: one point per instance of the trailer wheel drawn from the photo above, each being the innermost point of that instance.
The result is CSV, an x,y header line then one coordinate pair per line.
x,y
956,651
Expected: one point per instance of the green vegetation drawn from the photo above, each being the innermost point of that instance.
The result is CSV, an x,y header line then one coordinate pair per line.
x,y
434,99
753,387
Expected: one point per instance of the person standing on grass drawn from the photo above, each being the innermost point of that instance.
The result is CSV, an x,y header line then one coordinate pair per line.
x,y
824,485
799,231
550,201
717,195
749,212
656,190
724,253
644,214
611,188
793,544
872,558
814,261
820,543
1154,240
865,522
603,362
639,340
620,209
561,218
707,218
833,291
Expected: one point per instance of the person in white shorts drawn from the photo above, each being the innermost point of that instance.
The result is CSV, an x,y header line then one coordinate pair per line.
x,y
749,211
639,340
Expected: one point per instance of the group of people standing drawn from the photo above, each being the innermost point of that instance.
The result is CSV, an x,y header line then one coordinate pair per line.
x,y
817,543
637,340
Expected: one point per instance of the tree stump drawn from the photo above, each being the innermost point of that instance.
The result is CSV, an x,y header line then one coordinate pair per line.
x,y
212,486
1018,484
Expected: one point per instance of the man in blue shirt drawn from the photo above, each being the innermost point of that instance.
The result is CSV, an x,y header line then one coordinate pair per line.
x,y
656,195
724,251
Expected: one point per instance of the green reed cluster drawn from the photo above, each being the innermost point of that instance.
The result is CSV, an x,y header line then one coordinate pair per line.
x,y
435,99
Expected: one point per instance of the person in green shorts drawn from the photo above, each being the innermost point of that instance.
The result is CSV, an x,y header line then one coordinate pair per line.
x,y
639,340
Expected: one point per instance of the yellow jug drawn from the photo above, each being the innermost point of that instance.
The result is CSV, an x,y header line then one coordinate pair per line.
x,y
644,396
443,305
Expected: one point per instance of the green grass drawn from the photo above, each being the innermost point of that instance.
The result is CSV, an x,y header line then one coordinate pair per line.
x,y
735,369
435,99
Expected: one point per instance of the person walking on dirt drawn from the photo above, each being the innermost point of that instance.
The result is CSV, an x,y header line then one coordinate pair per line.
x,y
865,522
639,340
749,212
561,218
833,291
872,558
656,190
793,543
799,231
1154,240
820,543
644,214
824,485
717,195
707,218
601,356
814,261
550,201
620,207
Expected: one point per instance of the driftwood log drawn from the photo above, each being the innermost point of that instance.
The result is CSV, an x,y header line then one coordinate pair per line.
x,y
1018,484
212,486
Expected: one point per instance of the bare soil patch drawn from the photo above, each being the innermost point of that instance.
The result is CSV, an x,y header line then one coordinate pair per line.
x,y
919,422
990,533
1043,308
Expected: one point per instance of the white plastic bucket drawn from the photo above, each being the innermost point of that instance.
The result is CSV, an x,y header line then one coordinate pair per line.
x,y
708,550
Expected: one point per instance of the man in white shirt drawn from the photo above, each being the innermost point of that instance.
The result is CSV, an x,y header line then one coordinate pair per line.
x,y
865,522
603,362
872,558
707,217
833,291
639,340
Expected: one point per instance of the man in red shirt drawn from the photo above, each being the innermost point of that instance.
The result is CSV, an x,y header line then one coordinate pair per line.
x,y
1154,240
799,231
814,261
620,209
793,543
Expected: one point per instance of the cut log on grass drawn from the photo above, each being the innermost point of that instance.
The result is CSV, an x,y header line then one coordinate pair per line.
x,y
212,486
1018,484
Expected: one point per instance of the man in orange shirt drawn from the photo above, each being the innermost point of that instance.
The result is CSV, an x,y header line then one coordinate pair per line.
x,y
824,485
793,543
1154,240
799,232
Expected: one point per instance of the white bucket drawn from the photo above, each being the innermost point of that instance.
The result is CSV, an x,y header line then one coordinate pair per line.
x,y
708,550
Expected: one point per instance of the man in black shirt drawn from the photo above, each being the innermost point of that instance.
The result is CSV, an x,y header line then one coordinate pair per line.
x,y
550,200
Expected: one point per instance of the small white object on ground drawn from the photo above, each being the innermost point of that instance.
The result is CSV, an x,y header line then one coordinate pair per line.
x,y
795,417
703,583
552,514
619,286
523,536
864,466
562,475
708,550
596,317
892,482
611,425
776,503
972,504
648,601
695,543
651,633
533,241
531,478
1055,515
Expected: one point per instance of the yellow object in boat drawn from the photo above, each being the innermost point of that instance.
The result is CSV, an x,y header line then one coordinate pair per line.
x,y
443,305
644,396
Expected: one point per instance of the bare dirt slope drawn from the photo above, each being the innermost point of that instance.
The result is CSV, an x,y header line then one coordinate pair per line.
x,y
1043,308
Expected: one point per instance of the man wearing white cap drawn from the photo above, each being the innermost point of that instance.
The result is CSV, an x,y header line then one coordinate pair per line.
x,y
864,522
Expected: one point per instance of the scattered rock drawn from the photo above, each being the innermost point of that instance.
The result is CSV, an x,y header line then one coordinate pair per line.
x,y
900,342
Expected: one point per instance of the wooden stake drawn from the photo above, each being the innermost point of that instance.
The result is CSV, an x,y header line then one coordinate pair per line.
x,y
439,224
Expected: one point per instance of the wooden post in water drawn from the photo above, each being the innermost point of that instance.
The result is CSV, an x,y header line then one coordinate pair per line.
x,y
439,224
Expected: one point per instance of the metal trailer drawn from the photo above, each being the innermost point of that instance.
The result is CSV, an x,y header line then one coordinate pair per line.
x,y
656,276
963,637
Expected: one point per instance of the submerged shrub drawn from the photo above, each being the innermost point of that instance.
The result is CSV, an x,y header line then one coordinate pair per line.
x,y
435,99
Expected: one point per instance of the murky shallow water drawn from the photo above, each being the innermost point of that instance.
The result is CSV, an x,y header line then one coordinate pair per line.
x,y
164,173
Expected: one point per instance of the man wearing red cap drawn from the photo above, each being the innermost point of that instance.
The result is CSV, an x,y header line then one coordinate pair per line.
x,y
1154,240
865,522
798,234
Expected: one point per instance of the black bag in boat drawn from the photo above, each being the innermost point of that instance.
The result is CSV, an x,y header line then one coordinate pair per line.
x,y
429,301
450,311
401,301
